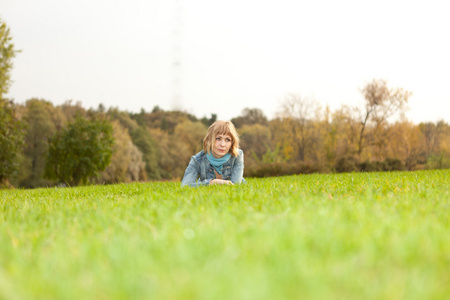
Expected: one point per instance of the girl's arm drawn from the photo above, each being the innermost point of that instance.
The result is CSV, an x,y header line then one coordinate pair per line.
x,y
191,174
220,181
238,169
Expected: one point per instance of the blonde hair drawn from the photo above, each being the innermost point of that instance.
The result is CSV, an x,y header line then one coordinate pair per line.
x,y
221,128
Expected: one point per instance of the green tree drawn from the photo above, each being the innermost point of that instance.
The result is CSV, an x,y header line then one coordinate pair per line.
x,y
124,119
11,128
7,53
80,150
39,130
165,120
143,140
12,131
210,121
250,116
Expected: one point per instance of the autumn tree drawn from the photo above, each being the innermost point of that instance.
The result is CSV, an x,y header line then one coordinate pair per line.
x,y
406,144
136,166
80,150
434,134
297,117
437,144
339,136
126,162
173,154
141,137
255,141
192,134
71,110
381,103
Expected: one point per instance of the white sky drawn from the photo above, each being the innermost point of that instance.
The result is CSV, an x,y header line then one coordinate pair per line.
x,y
234,53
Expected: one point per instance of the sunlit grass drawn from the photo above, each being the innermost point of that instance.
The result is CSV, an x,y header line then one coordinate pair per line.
x,y
346,236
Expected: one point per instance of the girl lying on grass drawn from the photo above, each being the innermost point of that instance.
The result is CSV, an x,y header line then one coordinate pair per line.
x,y
220,162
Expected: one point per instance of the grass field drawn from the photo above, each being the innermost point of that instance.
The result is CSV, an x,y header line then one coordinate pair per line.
x,y
345,236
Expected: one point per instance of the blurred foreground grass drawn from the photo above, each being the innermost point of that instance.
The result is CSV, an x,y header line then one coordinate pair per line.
x,y
345,236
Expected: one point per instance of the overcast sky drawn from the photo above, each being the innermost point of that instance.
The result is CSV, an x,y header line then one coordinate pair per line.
x,y
233,54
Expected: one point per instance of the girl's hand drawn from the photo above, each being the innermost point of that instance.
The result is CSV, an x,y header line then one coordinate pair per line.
x,y
220,181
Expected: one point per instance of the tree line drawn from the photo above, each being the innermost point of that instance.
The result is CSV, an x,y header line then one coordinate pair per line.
x,y
45,145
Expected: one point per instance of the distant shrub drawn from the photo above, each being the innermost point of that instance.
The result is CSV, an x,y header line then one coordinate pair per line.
x,y
372,166
393,164
281,169
347,164
389,164
441,161
343,165
350,164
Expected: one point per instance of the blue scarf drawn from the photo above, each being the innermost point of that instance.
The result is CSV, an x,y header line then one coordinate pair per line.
x,y
217,163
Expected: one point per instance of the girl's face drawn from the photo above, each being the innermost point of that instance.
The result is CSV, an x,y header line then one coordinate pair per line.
x,y
221,145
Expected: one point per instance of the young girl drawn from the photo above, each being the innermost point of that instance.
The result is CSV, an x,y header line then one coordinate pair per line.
x,y
220,162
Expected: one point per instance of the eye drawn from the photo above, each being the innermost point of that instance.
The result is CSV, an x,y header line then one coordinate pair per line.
x,y
228,140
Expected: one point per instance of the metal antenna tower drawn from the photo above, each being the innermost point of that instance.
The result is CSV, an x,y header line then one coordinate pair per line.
x,y
177,56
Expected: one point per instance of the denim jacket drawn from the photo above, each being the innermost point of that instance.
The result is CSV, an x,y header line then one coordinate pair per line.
x,y
199,166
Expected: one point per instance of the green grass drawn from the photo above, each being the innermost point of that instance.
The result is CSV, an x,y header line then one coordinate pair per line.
x,y
345,236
